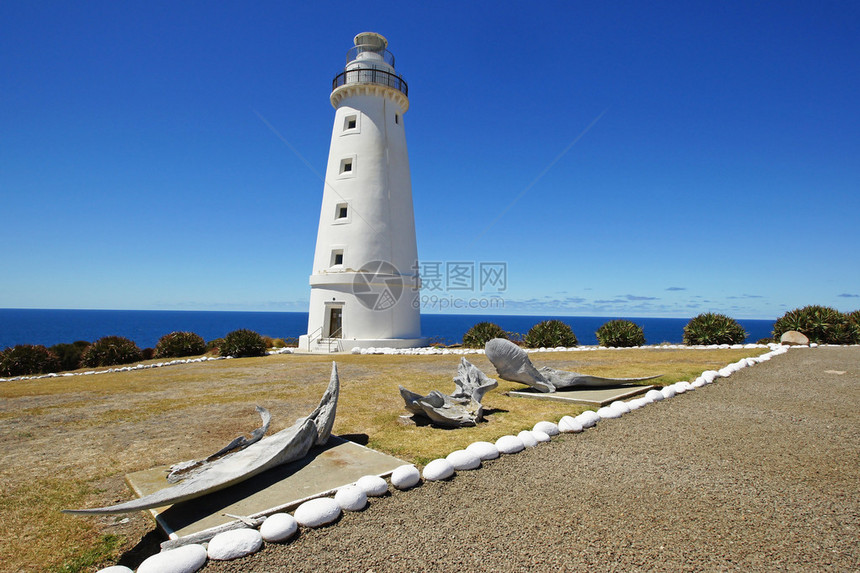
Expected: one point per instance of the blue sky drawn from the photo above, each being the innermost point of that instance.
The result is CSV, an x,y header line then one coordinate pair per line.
x,y
621,158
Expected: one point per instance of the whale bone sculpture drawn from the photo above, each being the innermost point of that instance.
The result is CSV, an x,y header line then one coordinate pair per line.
x,y
462,408
182,470
512,363
288,445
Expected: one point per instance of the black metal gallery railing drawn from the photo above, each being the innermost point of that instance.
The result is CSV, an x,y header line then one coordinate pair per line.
x,y
370,76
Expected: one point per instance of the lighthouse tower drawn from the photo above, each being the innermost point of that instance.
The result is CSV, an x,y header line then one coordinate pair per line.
x,y
364,286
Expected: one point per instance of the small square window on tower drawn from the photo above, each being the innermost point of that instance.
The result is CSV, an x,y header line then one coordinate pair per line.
x,y
346,165
350,122
341,211
337,257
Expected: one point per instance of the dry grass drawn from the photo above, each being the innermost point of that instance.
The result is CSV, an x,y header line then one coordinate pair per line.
x,y
69,441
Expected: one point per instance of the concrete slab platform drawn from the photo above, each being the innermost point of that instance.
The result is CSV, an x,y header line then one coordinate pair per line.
x,y
595,397
323,470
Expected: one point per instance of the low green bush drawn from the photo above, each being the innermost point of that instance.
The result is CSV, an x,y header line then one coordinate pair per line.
x,y
70,354
550,334
481,333
821,324
620,334
712,328
179,344
28,359
242,342
110,351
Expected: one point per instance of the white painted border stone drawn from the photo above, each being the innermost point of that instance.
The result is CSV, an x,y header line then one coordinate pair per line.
x,y
351,498
484,450
229,545
279,527
438,469
528,439
464,460
185,559
547,428
405,476
317,512
510,444
569,425
372,486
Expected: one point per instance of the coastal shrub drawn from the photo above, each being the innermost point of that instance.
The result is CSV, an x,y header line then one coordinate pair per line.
x,y
27,359
70,354
712,328
481,333
243,342
111,350
179,344
620,333
821,324
550,334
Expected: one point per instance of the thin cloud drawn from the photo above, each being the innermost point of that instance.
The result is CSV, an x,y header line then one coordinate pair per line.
x,y
847,295
637,297
677,288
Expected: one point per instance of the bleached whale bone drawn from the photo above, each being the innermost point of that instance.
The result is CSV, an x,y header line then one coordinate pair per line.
x,y
462,408
512,363
287,445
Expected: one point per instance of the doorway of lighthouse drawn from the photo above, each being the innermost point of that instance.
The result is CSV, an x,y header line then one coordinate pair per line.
x,y
335,322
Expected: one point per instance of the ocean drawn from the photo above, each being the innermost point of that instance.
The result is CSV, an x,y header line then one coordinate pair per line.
x,y
145,327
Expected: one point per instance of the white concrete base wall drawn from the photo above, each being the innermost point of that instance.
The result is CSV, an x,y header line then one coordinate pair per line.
x,y
396,327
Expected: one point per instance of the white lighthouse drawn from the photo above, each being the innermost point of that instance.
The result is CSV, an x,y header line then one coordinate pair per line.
x,y
364,286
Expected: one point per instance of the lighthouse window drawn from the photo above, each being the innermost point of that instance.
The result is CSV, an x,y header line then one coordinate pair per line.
x,y
337,257
350,122
346,165
341,211
397,118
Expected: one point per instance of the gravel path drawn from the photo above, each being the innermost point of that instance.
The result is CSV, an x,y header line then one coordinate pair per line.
x,y
757,472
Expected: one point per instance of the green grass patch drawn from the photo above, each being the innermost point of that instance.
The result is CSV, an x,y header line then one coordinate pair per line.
x,y
104,549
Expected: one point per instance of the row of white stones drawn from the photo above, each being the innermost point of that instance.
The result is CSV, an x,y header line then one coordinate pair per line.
x,y
121,369
281,527
429,350
137,366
